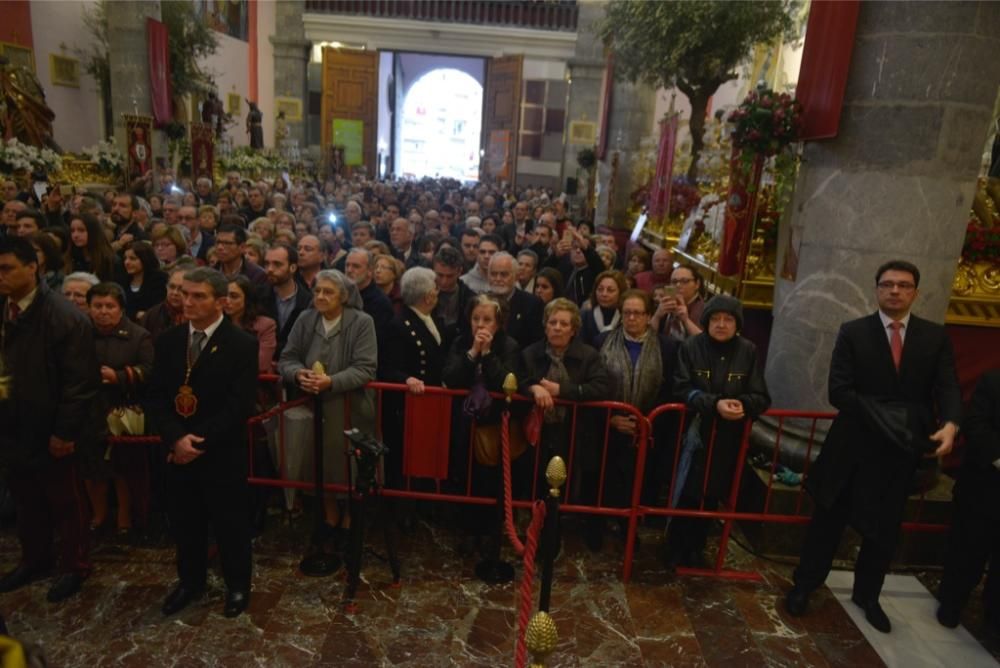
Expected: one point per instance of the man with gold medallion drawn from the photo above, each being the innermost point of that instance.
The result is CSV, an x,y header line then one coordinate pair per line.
x,y
201,394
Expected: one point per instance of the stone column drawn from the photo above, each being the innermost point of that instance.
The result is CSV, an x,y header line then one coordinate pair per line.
x,y
586,72
896,182
629,131
129,56
291,59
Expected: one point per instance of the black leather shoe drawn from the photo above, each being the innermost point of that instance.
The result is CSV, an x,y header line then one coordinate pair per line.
x,y
19,577
948,616
64,587
796,602
179,598
874,614
236,603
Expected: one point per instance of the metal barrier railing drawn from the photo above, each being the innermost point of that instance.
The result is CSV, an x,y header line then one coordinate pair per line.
x,y
574,495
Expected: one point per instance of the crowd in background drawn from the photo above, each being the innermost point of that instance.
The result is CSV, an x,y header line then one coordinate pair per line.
x,y
422,283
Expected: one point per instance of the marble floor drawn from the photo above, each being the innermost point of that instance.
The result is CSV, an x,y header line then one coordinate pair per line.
x,y
441,615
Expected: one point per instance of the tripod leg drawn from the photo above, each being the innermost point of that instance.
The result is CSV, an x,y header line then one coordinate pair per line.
x,y
355,550
389,533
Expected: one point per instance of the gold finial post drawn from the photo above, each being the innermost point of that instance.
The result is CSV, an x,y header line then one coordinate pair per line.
x,y
555,474
541,637
510,386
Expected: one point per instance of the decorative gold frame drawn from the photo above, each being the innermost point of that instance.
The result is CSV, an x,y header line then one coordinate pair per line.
x,y
582,132
64,71
234,104
19,55
292,107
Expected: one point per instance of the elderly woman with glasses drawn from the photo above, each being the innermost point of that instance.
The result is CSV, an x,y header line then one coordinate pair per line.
x,y
640,366
337,333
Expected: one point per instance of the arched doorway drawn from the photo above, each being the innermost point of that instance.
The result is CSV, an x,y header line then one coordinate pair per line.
x,y
440,129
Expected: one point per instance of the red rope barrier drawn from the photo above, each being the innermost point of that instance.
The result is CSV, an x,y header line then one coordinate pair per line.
x,y
508,507
528,579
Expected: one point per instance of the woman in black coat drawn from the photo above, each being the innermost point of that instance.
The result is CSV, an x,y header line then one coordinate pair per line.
x,y
482,355
563,368
125,353
718,378
144,284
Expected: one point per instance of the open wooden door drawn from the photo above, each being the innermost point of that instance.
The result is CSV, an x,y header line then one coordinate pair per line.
x,y
350,106
502,118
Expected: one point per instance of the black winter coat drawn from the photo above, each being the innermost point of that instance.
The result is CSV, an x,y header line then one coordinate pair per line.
x,y
49,352
460,372
708,371
978,487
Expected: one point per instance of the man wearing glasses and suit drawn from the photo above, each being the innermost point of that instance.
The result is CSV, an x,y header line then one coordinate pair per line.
x,y
893,380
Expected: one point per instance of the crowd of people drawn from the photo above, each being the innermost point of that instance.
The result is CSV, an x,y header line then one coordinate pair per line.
x,y
176,299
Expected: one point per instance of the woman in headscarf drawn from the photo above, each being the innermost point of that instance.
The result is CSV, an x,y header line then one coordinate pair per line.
x,y
337,333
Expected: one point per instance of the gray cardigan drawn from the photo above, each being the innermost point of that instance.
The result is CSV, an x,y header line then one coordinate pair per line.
x,y
349,353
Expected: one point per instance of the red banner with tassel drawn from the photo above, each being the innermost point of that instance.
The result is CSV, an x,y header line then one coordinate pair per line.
x,y
741,205
158,41
659,196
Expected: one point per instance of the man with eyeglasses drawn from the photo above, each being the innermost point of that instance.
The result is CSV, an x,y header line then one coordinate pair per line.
x,y
889,372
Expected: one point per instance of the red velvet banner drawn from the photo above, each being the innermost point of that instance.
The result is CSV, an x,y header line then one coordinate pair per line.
x,y
202,150
741,205
659,195
826,59
159,71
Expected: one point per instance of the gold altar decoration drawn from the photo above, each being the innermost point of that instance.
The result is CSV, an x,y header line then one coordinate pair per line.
x,y
81,171
541,637
975,290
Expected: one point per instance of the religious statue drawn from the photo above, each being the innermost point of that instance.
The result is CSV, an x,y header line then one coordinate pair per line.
x,y
23,112
254,126
280,129
140,153
213,113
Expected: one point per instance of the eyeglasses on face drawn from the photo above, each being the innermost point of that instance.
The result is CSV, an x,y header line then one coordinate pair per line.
x,y
905,286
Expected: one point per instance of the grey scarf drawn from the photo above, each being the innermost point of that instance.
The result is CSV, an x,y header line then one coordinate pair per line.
x,y
638,385
560,376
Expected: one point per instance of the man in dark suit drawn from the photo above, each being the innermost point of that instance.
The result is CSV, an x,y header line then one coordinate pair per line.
x,y
888,373
360,267
975,527
201,394
524,310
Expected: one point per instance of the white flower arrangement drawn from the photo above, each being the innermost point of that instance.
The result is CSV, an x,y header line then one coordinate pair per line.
x,y
15,156
247,161
106,156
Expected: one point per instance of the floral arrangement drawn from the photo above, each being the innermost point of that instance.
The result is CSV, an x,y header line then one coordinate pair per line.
x,y
248,161
766,122
16,156
684,197
982,242
106,156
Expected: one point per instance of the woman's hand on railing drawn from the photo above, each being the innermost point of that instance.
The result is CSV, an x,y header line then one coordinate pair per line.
x,y
550,387
730,409
626,424
542,397
415,385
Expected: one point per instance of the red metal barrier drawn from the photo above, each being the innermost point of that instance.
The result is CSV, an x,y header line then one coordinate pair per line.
x,y
728,513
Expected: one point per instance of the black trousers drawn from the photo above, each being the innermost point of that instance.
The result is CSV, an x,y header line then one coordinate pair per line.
x,y
196,499
973,543
822,539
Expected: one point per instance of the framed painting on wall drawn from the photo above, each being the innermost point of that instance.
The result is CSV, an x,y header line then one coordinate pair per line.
x,y
18,55
291,106
234,104
64,71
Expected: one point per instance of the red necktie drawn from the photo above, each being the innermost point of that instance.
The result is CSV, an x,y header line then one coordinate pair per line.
x,y
896,342
15,311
